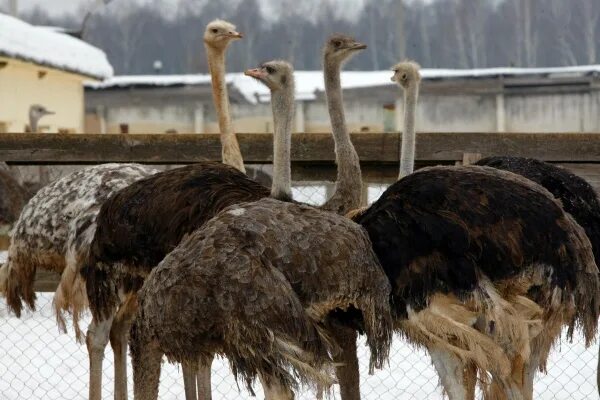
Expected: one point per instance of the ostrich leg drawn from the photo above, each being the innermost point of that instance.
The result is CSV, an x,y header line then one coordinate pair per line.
x,y
347,363
530,370
450,370
118,341
203,380
96,340
190,370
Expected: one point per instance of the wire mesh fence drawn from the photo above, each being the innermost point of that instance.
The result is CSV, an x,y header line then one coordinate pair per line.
x,y
38,362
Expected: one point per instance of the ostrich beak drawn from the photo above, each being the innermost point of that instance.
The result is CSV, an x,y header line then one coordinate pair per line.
x,y
236,35
393,78
358,46
48,112
256,73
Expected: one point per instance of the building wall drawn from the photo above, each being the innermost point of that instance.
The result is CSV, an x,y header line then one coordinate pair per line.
x,y
150,119
23,84
484,108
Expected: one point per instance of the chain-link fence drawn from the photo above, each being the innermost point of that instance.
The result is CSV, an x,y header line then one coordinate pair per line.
x,y
37,362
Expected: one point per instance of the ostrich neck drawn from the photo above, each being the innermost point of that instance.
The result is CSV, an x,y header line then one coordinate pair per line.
x,y
283,113
407,154
231,153
347,195
33,124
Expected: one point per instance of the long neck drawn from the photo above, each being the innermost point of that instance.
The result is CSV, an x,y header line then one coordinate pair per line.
x,y
407,154
347,195
230,152
33,124
283,113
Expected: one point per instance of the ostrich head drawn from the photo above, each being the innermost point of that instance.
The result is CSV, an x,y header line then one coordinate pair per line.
x,y
220,33
339,48
37,111
276,75
406,73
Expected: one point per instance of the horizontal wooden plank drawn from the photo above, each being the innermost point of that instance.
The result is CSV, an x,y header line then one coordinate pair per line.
x,y
22,148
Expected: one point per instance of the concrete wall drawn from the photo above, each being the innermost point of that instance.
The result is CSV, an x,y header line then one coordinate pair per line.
x,y
23,84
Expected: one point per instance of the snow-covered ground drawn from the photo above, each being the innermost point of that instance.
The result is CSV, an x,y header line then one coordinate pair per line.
x,y
39,363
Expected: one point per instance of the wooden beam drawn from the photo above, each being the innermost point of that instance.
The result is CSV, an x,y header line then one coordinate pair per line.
x,y
22,148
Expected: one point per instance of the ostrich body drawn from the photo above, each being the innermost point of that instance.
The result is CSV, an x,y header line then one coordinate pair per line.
x,y
54,231
579,199
217,37
276,264
325,257
463,247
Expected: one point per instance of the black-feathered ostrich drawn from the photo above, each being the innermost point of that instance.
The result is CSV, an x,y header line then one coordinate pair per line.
x,y
141,224
464,249
325,258
579,199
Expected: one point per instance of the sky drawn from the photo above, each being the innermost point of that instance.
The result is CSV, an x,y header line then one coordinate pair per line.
x,y
78,7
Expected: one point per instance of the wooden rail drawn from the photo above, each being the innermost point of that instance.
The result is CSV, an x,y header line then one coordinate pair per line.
x,y
23,148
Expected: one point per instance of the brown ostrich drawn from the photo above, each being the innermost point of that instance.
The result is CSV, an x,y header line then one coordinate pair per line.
x,y
253,247
217,37
484,265
13,197
140,225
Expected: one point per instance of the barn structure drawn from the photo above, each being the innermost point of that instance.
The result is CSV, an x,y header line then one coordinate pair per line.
x,y
480,100
40,65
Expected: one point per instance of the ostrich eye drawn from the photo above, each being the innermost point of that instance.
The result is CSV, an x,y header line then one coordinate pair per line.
x,y
337,43
270,70
215,30
403,76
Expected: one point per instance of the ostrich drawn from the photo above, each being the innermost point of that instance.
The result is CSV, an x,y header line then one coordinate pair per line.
x,y
464,249
579,199
12,199
325,258
54,230
139,226
36,112
217,37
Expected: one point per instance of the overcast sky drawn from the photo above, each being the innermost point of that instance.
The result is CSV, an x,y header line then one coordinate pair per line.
x,y
61,7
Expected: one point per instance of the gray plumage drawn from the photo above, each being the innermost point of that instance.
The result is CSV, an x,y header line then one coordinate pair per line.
x,y
227,284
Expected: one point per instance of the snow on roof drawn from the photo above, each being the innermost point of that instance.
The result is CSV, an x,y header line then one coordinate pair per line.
x,y
43,46
308,83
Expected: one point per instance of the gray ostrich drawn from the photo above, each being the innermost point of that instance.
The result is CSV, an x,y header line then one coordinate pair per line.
x,y
324,257
54,232
37,112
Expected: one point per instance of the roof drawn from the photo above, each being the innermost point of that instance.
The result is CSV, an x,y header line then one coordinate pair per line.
x,y
51,48
308,83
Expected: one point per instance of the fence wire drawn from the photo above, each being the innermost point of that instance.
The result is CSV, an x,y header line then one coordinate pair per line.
x,y
38,362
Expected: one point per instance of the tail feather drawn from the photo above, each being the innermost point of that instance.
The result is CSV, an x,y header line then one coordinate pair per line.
x,y
587,290
18,278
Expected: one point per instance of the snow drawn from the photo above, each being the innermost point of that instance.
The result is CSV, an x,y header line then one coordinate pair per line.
x,y
39,363
308,83
48,47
